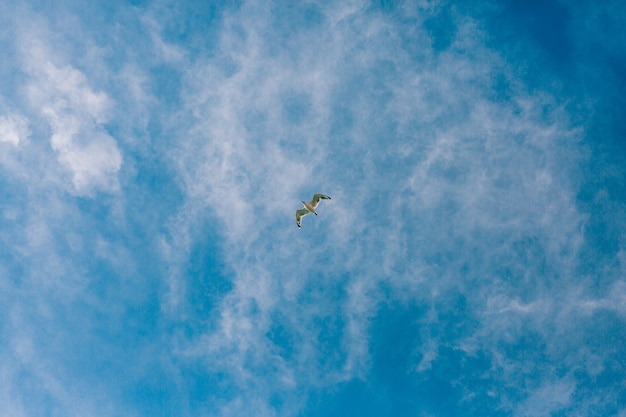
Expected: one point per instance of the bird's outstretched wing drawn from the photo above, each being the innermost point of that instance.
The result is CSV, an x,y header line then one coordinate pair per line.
x,y
317,198
299,214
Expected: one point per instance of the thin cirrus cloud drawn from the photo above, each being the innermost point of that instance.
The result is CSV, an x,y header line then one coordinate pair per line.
x,y
154,265
473,177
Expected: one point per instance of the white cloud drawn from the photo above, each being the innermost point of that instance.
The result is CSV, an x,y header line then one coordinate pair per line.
x,y
77,115
91,155
550,398
13,129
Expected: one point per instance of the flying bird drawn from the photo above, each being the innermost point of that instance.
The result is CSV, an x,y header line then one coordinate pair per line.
x,y
310,207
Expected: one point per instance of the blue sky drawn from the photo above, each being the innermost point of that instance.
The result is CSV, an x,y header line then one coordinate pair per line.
x,y
472,261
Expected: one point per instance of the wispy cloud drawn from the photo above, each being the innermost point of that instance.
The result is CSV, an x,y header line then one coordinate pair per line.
x,y
473,177
153,182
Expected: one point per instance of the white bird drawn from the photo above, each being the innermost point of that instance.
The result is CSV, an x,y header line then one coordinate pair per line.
x,y
310,207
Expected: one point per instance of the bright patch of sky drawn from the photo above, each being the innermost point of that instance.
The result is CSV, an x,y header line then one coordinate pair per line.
x,y
471,262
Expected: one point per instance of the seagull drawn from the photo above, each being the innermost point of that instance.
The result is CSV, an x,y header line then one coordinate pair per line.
x,y
310,207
